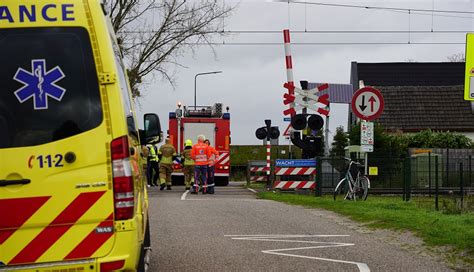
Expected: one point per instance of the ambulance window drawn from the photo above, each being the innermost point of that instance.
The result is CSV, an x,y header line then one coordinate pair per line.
x,y
49,87
124,88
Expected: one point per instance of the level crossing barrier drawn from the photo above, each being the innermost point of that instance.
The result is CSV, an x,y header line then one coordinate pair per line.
x,y
295,174
257,172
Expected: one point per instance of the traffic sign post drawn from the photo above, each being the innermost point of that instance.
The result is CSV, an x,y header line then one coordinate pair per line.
x,y
367,136
367,103
366,141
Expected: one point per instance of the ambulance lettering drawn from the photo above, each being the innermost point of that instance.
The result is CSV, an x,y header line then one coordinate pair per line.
x,y
104,229
30,13
39,84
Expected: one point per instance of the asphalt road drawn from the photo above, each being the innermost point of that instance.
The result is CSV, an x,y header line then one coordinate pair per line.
x,y
234,231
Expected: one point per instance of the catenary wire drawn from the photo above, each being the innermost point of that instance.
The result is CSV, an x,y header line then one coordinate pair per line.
x,y
374,7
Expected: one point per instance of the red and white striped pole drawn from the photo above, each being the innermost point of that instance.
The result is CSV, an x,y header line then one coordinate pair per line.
x,y
289,63
269,146
289,69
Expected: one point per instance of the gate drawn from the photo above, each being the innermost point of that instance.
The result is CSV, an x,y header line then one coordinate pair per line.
x,y
295,174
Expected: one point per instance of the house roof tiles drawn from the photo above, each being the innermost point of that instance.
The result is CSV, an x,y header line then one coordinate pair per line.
x,y
411,73
414,108
418,95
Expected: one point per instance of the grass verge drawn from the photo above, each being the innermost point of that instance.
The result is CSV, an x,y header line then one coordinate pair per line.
x,y
256,185
435,228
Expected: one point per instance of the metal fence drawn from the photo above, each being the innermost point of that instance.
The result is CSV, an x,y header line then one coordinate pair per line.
x,y
453,169
419,173
439,180
439,177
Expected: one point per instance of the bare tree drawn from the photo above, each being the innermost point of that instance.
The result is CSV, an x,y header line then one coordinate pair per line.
x,y
154,33
458,57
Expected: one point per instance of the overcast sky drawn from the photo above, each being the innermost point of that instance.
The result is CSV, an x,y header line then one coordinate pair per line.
x,y
253,75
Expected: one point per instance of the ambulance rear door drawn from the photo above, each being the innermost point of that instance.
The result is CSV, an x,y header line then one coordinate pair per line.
x,y
56,193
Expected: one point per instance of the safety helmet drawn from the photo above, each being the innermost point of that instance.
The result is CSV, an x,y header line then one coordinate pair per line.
x,y
188,143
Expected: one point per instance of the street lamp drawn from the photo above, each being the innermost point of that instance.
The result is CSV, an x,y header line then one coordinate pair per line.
x,y
195,77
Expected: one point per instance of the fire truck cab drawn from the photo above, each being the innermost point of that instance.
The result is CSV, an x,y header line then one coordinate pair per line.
x,y
190,121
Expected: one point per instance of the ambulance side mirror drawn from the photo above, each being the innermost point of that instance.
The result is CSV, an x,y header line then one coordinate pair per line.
x,y
153,133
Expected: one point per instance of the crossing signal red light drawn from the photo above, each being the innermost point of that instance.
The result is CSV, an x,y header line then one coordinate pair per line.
x,y
315,122
298,121
261,133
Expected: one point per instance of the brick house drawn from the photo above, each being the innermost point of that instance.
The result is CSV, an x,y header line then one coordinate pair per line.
x,y
418,96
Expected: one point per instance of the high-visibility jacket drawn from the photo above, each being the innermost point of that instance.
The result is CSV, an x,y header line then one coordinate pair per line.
x,y
212,159
152,156
186,156
200,153
167,153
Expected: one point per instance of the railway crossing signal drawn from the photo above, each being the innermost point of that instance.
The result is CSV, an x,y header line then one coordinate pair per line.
x,y
310,144
313,121
268,132
305,99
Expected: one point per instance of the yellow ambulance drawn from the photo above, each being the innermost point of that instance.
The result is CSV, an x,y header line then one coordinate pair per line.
x,y
72,190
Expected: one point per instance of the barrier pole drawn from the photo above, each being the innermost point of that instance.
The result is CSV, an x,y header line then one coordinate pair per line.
x,y
289,62
289,77
269,147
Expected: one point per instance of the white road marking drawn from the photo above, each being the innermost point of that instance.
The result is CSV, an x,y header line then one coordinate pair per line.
x,y
226,199
183,196
301,248
362,266
283,238
252,190
288,235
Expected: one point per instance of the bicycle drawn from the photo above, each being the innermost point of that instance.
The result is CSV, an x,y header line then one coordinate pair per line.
x,y
356,184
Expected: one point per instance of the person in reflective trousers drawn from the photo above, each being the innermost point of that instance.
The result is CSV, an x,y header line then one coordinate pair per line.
x,y
167,153
188,164
152,165
210,167
200,154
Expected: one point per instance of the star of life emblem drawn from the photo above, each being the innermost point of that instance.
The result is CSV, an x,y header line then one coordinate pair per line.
x,y
39,84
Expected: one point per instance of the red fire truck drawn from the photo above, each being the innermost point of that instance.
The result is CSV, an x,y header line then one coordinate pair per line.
x,y
190,121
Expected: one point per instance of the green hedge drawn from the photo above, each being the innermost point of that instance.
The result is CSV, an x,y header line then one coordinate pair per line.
x,y
241,154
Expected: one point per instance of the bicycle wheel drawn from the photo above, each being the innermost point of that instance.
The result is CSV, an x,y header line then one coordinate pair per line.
x,y
341,188
361,188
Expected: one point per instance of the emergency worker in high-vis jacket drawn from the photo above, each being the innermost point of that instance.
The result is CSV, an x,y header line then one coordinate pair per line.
x,y
188,164
200,154
167,153
210,167
153,171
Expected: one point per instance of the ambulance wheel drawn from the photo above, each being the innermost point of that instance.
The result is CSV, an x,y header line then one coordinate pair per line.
x,y
147,240
141,261
146,245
